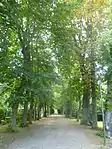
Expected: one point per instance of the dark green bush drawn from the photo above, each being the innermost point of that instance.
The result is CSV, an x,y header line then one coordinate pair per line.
x,y
2,113
7,119
3,122
8,113
9,129
100,133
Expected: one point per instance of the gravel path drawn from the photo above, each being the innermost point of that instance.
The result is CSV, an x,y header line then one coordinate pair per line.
x,y
54,133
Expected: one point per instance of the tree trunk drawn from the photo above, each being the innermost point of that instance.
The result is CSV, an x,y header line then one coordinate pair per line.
x,y
86,107
70,110
48,110
94,113
67,109
35,112
86,90
25,114
79,111
13,117
86,94
93,77
45,110
94,108
27,68
39,112
93,94
31,112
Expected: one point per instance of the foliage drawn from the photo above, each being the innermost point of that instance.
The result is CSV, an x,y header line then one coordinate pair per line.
x,y
7,119
100,134
10,130
53,54
2,113
3,122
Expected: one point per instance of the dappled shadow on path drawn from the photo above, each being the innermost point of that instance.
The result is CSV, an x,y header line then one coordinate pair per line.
x,y
54,132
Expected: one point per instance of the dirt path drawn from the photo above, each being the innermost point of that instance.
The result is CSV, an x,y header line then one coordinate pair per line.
x,y
54,133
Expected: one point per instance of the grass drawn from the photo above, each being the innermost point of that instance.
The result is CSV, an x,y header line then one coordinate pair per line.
x,y
99,123
8,129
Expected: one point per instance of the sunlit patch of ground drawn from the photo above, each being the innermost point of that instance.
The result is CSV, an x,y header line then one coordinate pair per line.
x,y
54,122
100,124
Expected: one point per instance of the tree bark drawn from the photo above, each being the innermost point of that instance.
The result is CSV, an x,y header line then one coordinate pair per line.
x,y
35,111
93,92
94,106
45,110
13,117
48,110
70,110
93,77
27,68
86,106
79,110
31,111
25,114
39,112
93,84
86,92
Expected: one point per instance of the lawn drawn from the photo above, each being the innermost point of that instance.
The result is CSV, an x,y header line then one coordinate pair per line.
x,y
99,123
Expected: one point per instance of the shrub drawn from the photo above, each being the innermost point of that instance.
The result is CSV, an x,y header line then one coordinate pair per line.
x,y
3,122
7,119
9,129
2,113
100,133
8,112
